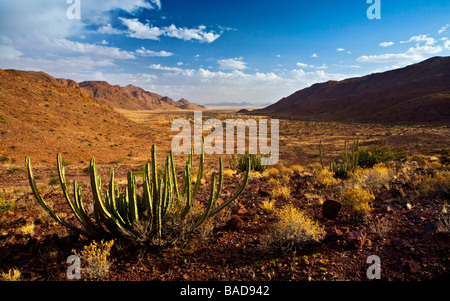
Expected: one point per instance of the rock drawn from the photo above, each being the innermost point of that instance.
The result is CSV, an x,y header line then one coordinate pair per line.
x,y
235,223
357,239
330,209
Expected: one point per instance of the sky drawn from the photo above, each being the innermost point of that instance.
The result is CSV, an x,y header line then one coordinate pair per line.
x,y
213,51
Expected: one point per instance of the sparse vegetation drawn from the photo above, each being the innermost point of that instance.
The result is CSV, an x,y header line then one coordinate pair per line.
x,y
95,257
2,119
359,200
282,192
376,154
5,206
240,242
347,163
240,162
374,178
11,275
437,185
116,214
293,231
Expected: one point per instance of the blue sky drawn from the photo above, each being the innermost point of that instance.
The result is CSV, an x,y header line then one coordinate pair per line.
x,y
220,50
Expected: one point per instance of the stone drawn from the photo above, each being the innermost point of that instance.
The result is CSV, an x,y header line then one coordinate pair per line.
x,y
235,223
330,209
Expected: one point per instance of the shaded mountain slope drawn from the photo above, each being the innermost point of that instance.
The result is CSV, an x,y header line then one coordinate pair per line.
x,y
418,93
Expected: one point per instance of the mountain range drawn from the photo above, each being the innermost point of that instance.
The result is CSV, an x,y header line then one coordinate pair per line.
x,y
132,98
418,93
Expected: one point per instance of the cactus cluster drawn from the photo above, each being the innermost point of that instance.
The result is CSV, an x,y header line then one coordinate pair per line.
x,y
116,214
349,162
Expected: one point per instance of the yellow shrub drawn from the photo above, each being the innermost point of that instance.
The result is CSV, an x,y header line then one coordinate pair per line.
x,y
298,168
438,185
359,200
373,178
12,275
286,171
292,230
273,172
268,206
281,192
27,229
325,177
228,173
315,167
255,175
273,182
96,259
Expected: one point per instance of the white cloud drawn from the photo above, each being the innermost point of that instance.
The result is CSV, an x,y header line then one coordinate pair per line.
x,y
8,52
421,38
425,46
140,30
202,85
314,55
303,65
137,29
232,64
188,34
159,67
108,29
87,48
146,52
447,44
443,28
386,44
340,49
412,55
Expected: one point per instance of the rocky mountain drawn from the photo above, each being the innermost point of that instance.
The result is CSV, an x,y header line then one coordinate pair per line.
x,y
132,97
41,116
418,93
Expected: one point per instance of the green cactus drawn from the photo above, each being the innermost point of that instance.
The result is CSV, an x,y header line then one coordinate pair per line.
x,y
115,214
348,164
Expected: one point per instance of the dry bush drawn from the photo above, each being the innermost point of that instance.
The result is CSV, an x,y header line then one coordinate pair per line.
x,y
299,169
11,275
380,176
293,230
229,173
325,177
268,206
273,172
287,172
359,200
443,224
437,185
95,257
281,192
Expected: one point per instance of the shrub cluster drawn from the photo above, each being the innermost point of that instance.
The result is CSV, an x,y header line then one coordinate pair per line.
x,y
292,231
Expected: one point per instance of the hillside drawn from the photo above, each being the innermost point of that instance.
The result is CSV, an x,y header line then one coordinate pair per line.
x,y
41,115
132,98
418,93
